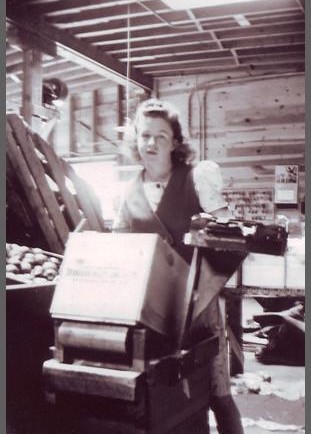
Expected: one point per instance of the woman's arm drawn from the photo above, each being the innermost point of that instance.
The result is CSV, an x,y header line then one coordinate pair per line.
x,y
208,185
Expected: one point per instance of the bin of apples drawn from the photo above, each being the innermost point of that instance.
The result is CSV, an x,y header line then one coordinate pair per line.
x,y
31,264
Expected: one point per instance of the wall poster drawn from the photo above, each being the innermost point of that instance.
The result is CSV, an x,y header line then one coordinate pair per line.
x,y
251,204
286,184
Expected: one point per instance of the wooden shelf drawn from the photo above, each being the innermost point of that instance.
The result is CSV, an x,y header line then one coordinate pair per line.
x,y
257,291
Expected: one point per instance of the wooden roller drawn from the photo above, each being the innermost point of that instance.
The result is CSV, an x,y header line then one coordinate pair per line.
x,y
93,336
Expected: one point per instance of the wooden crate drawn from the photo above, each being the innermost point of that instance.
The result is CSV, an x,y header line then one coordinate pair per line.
x,y
171,396
29,334
45,196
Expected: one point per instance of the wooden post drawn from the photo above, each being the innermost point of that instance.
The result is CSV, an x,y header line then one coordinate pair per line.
x,y
32,87
120,114
72,126
235,333
94,119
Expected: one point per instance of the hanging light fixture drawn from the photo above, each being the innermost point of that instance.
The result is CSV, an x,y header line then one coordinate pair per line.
x,y
54,92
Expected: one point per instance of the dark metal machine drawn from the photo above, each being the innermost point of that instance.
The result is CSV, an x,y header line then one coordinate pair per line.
x,y
129,356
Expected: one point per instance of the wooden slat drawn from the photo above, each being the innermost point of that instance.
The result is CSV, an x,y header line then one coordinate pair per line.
x,y
35,166
85,200
14,199
22,226
35,200
91,380
59,178
78,51
262,148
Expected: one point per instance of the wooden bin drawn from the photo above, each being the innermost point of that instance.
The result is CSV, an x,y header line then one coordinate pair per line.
x,y
45,198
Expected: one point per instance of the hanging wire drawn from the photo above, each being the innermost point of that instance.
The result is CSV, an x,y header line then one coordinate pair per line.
x,y
128,62
121,128
173,26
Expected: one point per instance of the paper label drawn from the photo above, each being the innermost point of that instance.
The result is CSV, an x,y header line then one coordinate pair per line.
x,y
102,277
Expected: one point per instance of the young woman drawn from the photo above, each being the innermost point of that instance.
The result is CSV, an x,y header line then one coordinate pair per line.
x,y
162,199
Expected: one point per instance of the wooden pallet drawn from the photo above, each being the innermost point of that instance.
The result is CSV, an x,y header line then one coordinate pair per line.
x,y
46,188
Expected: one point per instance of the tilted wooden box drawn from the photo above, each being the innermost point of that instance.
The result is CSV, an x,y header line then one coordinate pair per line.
x,y
123,279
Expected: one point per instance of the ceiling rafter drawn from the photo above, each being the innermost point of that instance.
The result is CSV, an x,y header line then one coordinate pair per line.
x,y
92,37
73,49
168,49
156,31
56,7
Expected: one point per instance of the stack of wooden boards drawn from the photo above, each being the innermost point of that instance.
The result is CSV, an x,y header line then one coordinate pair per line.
x,y
46,200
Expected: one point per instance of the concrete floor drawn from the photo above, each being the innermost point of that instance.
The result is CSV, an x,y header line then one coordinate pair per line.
x,y
284,404
279,408
282,401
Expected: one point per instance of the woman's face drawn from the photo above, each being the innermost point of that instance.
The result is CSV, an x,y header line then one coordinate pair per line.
x,y
154,140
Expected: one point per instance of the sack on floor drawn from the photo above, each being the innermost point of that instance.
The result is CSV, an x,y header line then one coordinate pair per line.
x,y
286,337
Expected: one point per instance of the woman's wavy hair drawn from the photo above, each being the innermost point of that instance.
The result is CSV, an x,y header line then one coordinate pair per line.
x,y
157,109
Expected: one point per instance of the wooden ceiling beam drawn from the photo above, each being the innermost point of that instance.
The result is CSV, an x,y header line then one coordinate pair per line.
x,y
250,42
68,74
155,32
90,13
167,49
274,18
93,16
87,77
266,67
139,23
56,7
48,71
163,44
156,40
14,58
183,63
256,7
265,40
87,84
225,29
214,65
256,58
271,57
60,68
194,68
179,57
275,49
13,87
261,29
77,51
84,83
16,69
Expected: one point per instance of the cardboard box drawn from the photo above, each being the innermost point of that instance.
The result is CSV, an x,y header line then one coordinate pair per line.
x,y
263,270
295,263
123,279
233,281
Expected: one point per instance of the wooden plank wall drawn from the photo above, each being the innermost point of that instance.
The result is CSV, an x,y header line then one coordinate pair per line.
x,y
247,124
93,116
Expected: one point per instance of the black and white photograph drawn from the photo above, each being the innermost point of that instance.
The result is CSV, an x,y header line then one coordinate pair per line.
x,y
156,180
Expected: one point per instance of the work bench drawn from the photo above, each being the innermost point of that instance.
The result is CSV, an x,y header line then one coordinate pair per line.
x,y
289,286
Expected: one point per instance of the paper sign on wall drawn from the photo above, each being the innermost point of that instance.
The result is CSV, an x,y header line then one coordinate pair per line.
x,y
286,184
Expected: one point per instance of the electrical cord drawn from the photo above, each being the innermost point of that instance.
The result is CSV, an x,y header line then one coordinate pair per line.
x,y
163,19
